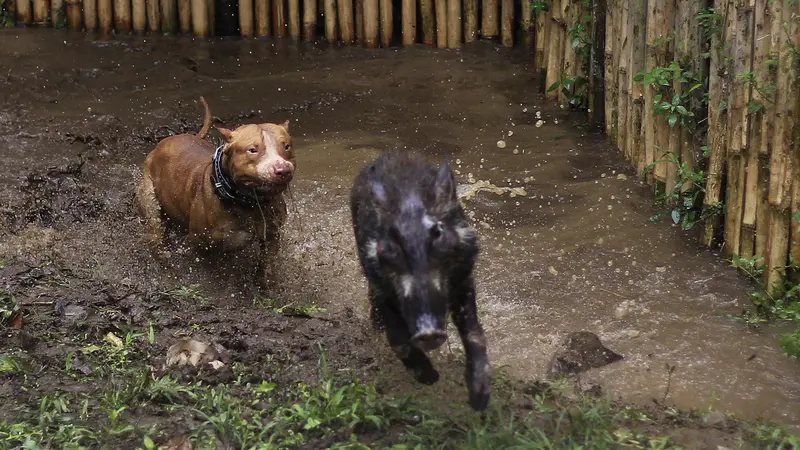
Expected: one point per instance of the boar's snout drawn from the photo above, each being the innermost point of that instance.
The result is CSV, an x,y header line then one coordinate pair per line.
x,y
429,335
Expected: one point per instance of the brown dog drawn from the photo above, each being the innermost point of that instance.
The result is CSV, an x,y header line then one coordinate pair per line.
x,y
225,198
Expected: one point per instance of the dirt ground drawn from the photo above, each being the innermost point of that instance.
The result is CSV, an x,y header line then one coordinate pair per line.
x,y
80,115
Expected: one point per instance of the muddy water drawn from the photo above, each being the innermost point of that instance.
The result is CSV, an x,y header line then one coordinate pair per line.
x,y
574,253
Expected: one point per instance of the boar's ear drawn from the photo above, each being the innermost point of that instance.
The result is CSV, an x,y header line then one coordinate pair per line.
x,y
445,187
225,132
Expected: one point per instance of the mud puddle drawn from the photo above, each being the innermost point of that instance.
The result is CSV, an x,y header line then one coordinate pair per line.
x,y
573,252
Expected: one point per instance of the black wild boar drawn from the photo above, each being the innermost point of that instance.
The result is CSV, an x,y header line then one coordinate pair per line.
x,y
417,251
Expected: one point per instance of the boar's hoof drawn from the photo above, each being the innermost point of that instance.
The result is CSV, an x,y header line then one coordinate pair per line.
x,y
427,376
480,388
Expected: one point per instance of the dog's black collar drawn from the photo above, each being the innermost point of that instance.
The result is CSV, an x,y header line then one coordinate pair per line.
x,y
224,187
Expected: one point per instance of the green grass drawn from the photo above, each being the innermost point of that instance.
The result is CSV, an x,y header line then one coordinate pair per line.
x,y
135,408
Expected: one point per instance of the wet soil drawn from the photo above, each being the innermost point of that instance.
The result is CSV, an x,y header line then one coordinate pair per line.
x,y
576,252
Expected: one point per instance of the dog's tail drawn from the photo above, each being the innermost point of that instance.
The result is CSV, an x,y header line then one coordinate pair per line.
x,y
206,119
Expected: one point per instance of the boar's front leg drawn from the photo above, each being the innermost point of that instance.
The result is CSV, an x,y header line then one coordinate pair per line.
x,y
478,373
400,339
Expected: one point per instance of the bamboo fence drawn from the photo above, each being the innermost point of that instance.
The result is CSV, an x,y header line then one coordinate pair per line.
x,y
702,97
372,23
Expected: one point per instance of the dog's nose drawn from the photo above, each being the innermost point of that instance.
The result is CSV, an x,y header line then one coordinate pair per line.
x,y
283,171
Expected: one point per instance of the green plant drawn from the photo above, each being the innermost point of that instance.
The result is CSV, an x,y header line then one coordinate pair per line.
x,y
683,203
574,90
6,18
710,22
782,302
674,105
539,7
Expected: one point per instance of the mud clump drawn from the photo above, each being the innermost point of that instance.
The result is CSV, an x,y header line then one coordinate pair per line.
x,y
579,352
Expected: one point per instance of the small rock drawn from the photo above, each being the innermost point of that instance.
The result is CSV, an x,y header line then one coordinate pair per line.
x,y
622,310
579,352
714,418
552,271
501,144
622,177
539,123
661,269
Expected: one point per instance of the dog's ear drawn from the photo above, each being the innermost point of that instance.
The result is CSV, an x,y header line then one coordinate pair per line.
x,y
285,125
225,132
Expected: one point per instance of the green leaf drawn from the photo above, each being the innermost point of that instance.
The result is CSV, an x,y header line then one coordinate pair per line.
x,y
682,110
554,86
148,443
673,119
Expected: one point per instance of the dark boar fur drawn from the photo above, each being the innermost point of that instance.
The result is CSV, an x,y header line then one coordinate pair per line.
x,y
417,251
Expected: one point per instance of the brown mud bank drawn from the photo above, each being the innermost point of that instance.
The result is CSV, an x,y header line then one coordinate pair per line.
x,y
572,250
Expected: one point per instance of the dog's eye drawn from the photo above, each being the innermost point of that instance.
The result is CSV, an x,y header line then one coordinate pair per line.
x,y
252,150
288,147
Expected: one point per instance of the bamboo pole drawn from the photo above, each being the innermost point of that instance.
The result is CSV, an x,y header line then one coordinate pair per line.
x,y
263,18
199,14
386,22
169,16
122,16
371,23
152,8
624,79
139,13
674,137
454,32
651,62
429,21
185,20
41,10
489,25
782,160
294,19
571,14
737,125
345,14
637,16
90,15
74,14
105,16
753,190
279,22
666,26
58,13
610,75
24,12
507,22
310,20
246,18
441,23
471,20
409,22
695,49
794,249
11,9
597,73
331,32
717,119
212,20
359,18
526,23
541,41
555,44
